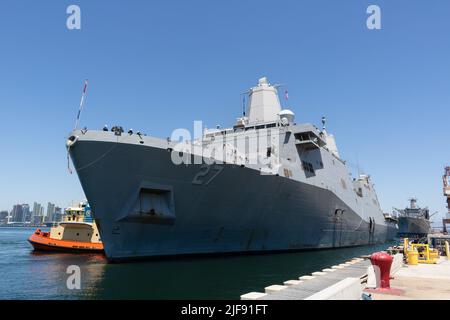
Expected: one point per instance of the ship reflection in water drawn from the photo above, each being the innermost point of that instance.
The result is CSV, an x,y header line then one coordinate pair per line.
x,y
29,275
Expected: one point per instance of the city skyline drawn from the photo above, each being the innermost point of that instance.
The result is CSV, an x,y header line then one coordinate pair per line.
x,y
384,92
71,203
22,213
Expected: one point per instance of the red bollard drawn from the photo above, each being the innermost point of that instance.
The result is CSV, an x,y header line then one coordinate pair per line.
x,y
383,261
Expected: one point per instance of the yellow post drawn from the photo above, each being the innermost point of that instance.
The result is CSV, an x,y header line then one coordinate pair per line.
x,y
405,246
413,257
434,254
447,250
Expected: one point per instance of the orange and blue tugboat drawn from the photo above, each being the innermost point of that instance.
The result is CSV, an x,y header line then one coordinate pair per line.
x,y
76,233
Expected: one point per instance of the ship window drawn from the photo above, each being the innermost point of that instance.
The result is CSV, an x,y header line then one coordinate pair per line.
x,y
269,152
78,234
271,125
287,173
96,234
302,136
307,166
359,192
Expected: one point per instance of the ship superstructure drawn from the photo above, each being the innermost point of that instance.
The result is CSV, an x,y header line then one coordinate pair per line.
x,y
266,184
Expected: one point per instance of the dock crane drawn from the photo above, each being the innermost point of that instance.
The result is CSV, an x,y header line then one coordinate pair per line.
x,y
446,182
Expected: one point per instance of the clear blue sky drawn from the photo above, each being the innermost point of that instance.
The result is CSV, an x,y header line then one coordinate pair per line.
x,y
159,65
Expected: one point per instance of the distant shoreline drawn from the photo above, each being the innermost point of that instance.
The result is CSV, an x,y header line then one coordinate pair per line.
x,y
5,226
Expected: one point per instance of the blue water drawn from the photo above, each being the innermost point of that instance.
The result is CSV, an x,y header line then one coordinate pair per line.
x,y
29,275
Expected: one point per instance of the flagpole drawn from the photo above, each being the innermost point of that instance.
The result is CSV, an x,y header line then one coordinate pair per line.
x,y
81,104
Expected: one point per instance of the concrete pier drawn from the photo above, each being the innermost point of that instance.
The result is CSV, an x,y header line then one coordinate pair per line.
x,y
421,282
348,281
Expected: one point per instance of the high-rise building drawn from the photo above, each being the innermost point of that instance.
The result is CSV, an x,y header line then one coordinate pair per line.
x,y
37,220
17,213
38,214
36,209
50,212
26,212
57,217
4,217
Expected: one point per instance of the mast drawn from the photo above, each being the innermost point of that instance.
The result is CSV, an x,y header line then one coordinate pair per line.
x,y
83,95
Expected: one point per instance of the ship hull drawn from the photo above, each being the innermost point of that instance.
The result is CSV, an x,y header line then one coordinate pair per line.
x,y
411,227
229,209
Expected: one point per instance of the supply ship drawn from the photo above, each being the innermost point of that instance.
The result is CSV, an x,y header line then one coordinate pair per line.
x,y
413,222
76,233
266,184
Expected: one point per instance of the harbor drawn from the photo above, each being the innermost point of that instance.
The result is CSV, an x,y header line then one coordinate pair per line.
x,y
40,275
307,205
301,200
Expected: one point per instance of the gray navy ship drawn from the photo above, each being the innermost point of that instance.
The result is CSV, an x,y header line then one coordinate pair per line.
x,y
413,222
266,184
